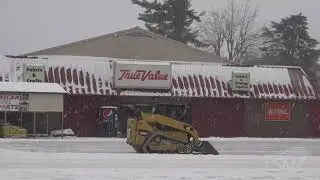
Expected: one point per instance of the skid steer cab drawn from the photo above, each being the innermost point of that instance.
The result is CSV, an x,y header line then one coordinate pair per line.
x,y
154,133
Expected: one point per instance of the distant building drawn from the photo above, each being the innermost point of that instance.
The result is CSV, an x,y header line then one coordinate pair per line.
x,y
134,43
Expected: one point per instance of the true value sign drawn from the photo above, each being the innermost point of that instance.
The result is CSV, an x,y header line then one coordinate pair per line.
x,y
142,75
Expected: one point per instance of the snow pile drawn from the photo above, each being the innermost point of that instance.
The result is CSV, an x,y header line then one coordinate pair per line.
x,y
65,132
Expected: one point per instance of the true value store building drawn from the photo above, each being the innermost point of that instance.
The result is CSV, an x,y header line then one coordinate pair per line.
x,y
221,100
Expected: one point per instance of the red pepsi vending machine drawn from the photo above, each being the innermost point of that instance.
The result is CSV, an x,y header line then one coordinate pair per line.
x,y
109,120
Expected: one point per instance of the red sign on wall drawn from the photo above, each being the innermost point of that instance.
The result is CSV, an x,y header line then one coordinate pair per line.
x,y
277,111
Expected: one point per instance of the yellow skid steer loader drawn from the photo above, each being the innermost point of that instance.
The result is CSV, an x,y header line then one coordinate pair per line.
x,y
154,133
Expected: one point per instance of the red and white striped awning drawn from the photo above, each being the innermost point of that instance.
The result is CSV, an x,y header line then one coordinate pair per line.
x,y
89,75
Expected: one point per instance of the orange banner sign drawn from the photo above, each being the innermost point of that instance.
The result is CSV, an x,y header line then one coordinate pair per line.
x,y
277,111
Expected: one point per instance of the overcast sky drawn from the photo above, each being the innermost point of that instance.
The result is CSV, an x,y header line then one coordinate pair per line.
x,y
29,25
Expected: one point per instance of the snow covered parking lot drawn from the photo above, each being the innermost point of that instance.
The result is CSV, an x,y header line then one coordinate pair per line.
x,y
101,159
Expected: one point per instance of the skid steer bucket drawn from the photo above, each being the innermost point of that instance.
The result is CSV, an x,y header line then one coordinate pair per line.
x,y
205,147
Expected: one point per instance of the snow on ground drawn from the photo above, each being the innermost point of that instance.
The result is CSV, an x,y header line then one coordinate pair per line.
x,y
102,159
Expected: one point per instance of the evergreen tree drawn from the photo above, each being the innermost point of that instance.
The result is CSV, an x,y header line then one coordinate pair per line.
x,y
171,18
154,16
290,42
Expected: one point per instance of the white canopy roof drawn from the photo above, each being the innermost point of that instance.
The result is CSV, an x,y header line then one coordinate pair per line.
x,y
51,88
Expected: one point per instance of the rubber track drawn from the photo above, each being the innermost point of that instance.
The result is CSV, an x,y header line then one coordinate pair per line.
x,y
149,139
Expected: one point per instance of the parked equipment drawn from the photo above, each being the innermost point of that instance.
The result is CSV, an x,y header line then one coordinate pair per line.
x,y
154,133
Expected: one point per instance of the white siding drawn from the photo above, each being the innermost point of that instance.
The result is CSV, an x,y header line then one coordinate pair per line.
x,y
46,103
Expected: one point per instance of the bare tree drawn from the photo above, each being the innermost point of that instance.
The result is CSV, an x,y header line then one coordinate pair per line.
x,y
233,28
211,31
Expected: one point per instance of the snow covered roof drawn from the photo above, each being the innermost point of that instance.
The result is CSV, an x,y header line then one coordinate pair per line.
x,y
266,82
143,62
27,87
91,75
131,43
